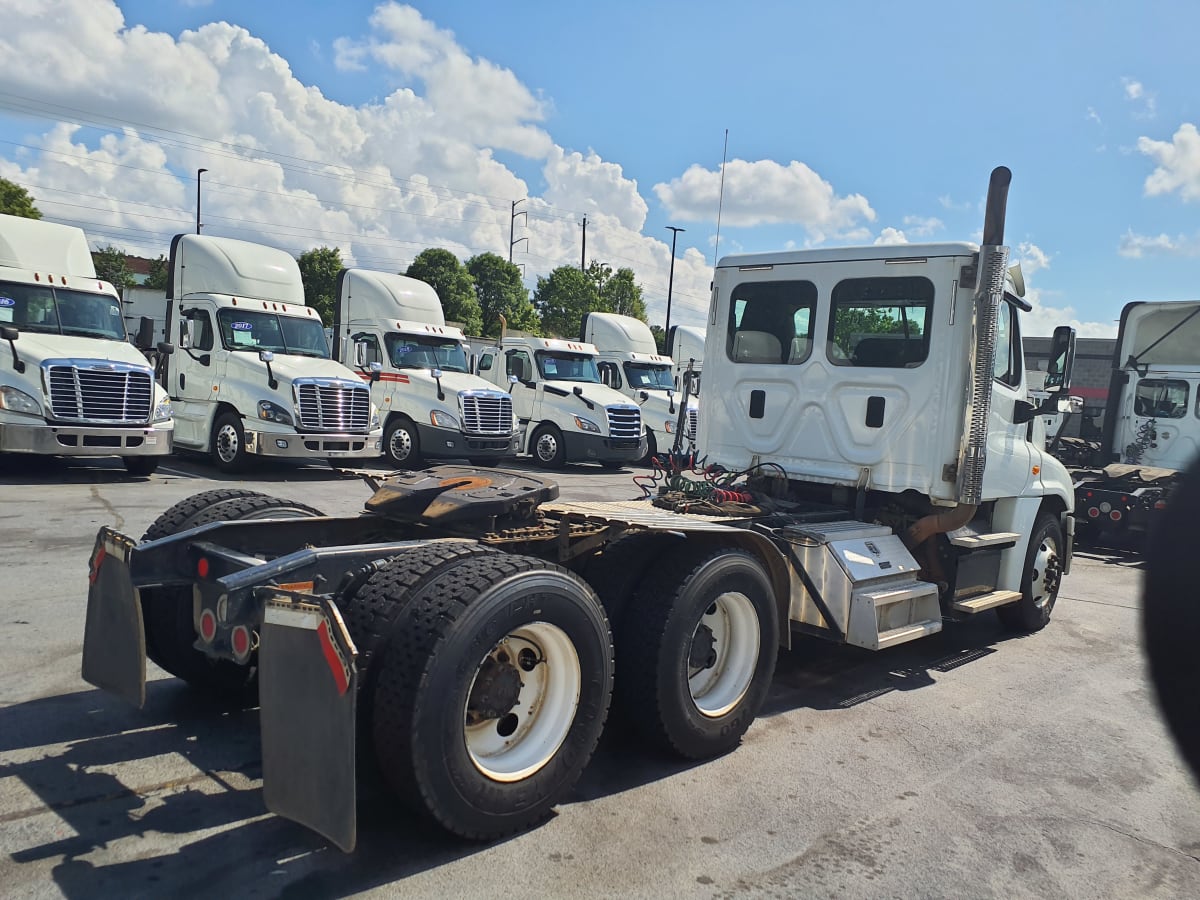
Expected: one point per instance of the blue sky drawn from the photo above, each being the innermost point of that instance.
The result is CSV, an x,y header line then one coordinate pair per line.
x,y
384,128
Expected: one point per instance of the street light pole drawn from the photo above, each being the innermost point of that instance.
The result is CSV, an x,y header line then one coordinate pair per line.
x,y
671,278
199,172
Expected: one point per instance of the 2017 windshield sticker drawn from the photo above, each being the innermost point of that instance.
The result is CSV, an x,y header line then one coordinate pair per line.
x,y
7,301
242,326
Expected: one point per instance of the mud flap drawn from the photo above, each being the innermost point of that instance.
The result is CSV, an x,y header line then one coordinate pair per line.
x,y
114,640
308,693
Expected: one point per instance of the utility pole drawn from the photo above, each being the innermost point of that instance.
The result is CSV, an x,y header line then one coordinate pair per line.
x,y
199,172
583,254
671,278
512,223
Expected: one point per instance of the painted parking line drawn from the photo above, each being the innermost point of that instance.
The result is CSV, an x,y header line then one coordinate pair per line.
x,y
182,474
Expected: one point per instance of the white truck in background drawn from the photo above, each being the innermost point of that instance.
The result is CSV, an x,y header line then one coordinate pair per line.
x,y
252,375
565,412
685,346
431,405
630,363
72,385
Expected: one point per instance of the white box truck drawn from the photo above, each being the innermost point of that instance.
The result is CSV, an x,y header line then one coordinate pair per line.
x,y
72,385
432,406
629,362
467,631
565,412
252,376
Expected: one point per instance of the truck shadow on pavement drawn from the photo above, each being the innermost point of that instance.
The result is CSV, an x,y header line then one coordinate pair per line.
x,y
112,776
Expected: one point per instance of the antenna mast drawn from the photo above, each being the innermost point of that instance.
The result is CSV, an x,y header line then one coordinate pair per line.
x,y
721,198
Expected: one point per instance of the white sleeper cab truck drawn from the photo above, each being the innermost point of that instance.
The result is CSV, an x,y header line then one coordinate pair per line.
x,y
431,404
565,412
71,383
629,362
252,375
468,630
685,344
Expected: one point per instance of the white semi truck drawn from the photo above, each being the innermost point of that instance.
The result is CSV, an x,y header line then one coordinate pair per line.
x,y
431,404
629,362
468,630
72,385
566,413
685,345
252,376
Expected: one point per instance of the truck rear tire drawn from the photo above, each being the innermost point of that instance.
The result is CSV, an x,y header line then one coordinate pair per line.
x,y
491,692
140,465
401,445
616,572
696,651
1041,578
546,447
167,611
227,446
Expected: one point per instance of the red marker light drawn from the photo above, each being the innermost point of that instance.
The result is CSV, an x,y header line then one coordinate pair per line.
x,y
202,567
240,641
208,626
1115,515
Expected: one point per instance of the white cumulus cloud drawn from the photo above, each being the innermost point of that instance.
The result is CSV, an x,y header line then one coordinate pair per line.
x,y
1178,163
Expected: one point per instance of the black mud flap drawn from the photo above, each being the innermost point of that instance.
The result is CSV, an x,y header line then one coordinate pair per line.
x,y
114,640
307,685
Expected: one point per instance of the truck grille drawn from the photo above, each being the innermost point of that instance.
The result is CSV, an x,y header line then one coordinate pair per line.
x,y
624,422
693,424
102,393
333,406
487,413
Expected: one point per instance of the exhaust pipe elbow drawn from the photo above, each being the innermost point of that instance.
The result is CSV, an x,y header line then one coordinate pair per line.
x,y
939,523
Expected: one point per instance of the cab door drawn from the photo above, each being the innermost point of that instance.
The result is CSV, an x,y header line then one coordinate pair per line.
x,y
519,362
193,373
1009,452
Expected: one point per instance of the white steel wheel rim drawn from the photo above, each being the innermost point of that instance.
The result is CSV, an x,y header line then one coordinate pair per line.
x,y
1040,581
545,708
547,447
228,443
733,621
400,446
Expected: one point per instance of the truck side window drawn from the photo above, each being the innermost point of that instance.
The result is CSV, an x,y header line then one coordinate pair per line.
x,y
201,328
880,322
1161,398
610,374
485,363
1007,368
519,364
771,322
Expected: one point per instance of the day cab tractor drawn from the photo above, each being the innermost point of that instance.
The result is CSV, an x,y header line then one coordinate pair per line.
x,y
869,475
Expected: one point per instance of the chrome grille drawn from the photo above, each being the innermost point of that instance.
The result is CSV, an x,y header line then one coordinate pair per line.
x,y
103,393
693,423
333,406
624,422
487,413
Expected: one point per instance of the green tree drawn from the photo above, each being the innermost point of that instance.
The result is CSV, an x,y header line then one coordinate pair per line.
x,y
501,292
15,201
112,266
455,287
660,339
157,276
319,270
856,321
562,298
621,294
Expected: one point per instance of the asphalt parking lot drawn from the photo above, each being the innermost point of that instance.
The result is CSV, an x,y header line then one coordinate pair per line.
x,y
970,764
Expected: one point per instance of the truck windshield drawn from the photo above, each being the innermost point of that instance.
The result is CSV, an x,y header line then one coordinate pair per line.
x,y
412,351
47,310
643,376
245,330
557,366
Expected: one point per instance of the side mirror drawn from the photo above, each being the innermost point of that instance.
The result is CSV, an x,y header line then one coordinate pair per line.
x,y
643,396
577,390
185,334
1071,405
360,354
435,372
165,349
1062,359
145,333
266,356
376,369
9,333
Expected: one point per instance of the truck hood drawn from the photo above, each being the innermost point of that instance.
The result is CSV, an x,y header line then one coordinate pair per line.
x,y
452,382
34,348
598,394
287,367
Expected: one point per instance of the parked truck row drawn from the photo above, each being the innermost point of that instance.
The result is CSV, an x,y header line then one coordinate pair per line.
x,y
466,634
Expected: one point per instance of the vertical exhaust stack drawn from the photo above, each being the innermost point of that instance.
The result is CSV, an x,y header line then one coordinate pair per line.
x,y
992,266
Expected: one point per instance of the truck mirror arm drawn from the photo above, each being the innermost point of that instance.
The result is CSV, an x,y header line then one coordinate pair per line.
x,y
10,334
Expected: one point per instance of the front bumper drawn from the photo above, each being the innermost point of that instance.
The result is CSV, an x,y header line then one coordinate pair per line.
x,y
84,440
580,447
447,443
315,446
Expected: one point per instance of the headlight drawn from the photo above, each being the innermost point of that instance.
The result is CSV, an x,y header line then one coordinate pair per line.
x,y
669,426
273,412
19,402
442,419
586,425
162,412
